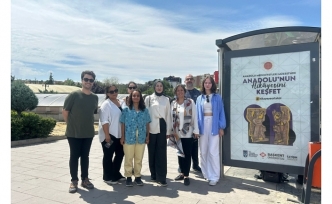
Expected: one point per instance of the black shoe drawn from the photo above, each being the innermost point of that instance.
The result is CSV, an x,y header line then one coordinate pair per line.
x,y
87,184
186,181
197,168
179,177
138,181
153,179
129,182
162,183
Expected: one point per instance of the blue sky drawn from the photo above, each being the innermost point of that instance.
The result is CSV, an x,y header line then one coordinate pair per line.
x,y
137,40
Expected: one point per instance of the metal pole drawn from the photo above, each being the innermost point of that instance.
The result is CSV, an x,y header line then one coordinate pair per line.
x,y
220,68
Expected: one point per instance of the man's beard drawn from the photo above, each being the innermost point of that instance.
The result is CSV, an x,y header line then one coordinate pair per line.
x,y
190,86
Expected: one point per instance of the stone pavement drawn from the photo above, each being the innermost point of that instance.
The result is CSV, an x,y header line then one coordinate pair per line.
x,y
40,174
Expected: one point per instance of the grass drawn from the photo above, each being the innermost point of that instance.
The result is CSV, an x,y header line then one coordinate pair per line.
x,y
60,129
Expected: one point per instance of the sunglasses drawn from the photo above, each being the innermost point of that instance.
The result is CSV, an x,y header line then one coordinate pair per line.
x,y
115,91
207,98
132,87
86,80
189,79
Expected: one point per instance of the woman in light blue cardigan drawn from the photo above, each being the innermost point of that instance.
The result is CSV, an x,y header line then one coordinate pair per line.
x,y
211,124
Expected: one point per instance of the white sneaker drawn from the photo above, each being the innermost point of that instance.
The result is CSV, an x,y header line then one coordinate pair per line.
x,y
111,182
213,183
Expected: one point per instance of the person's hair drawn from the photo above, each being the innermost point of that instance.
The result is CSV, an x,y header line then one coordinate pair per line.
x,y
107,89
213,88
141,104
91,73
131,82
176,88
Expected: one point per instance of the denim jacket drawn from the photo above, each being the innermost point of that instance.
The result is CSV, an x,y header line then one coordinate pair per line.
x,y
218,118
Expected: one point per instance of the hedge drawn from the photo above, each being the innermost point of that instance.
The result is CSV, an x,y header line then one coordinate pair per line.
x,y
30,125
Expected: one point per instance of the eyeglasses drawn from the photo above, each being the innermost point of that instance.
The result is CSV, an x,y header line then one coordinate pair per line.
x,y
86,80
189,79
132,87
207,98
115,91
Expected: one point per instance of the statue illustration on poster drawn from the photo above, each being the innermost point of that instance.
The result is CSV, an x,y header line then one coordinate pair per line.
x,y
281,125
272,125
256,118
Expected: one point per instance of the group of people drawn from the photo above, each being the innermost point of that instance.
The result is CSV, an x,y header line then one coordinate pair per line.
x,y
126,126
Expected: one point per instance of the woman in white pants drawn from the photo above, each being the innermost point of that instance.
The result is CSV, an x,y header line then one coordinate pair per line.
x,y
211,124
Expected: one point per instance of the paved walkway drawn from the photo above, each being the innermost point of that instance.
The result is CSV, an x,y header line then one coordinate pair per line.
x,y
40,174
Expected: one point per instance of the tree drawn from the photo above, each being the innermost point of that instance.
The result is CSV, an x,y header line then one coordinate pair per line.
x,y
22,97
50,80
98,87
47,91
12,78
149,89
78,84
168,89
112,80
69,82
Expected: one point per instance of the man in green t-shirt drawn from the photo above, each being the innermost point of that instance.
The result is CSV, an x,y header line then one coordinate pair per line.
x,y
78,112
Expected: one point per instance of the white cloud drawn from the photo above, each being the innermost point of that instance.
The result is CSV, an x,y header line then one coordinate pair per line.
x,y
22,71
125,40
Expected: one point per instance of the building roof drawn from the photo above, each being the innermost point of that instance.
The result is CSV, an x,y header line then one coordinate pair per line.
x,y
56,88
59,99
271,37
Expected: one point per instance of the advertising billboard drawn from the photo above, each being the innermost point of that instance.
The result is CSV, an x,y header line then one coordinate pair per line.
x,y
270,106
268,97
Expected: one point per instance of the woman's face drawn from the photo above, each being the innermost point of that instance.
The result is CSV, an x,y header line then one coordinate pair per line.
x,y
112,92
159,87
208,84
131,87
135,96
180,92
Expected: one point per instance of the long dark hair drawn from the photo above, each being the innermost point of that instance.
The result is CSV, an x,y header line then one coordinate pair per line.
x,y
107,90
131,82
213,88
141,104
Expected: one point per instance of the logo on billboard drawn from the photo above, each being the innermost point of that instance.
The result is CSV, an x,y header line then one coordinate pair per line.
x,y
245,153
275,156
268,65
292,158
262,154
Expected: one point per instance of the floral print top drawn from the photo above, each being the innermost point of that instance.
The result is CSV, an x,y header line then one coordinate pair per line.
x,y
135,120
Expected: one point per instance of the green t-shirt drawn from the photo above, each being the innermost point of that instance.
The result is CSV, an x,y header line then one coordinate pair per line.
x,y
81,107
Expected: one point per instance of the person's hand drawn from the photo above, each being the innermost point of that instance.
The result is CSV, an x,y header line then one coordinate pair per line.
x,y
107,138
147,139
196,136
122,141
221,132
167,136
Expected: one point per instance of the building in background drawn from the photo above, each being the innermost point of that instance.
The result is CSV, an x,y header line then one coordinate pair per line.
x,y
199,78
173,81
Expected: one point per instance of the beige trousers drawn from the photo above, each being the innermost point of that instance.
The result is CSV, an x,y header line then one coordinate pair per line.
x,y
133,152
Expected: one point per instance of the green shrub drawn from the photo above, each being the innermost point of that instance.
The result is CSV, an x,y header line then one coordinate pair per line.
x,y
22,97
47,126
30,125
16,126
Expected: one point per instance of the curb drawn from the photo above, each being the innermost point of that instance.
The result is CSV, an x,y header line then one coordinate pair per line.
x,y
20,143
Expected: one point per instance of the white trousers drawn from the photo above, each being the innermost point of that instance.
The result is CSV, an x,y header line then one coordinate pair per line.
x,y
209,148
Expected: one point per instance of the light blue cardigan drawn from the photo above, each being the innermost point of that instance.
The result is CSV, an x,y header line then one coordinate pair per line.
x,y
218,118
